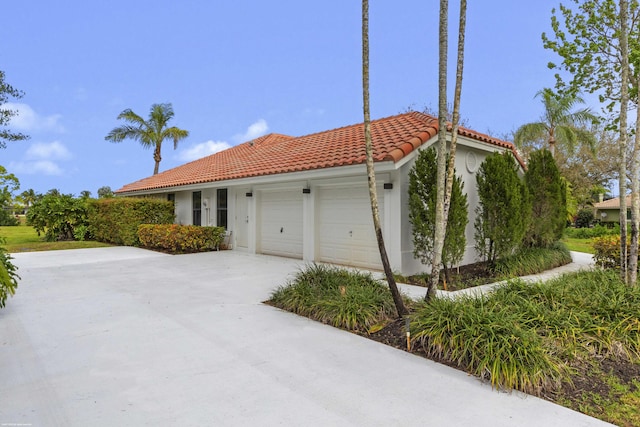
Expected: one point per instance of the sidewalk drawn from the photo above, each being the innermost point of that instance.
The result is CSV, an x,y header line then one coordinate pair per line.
x,y
581,261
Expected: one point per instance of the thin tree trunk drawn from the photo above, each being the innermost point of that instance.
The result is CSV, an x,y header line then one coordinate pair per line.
x,y
440,226
624,105
371,176
635,201
456,110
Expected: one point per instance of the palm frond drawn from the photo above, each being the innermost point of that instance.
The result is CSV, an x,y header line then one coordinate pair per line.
x,y
530,132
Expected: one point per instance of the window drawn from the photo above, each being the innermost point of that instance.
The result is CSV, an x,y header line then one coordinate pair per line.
x,y
221,208
171,197
197,207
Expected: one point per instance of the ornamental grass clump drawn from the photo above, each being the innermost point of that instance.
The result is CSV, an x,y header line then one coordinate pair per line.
x,y
342,298
494,343
531,337
533,260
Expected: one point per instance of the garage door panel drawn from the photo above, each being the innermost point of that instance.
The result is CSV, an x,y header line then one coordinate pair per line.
x,y
281,223
345,227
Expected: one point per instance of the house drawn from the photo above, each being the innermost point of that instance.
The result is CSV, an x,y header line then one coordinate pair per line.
x,y
608,211
307,197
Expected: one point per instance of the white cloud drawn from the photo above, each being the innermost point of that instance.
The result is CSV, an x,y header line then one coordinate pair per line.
x,y
254,131
28,120
42,159
43,167
54,150
202,150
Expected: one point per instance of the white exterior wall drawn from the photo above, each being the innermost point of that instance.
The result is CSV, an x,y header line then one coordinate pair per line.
x,y
183,208
244,212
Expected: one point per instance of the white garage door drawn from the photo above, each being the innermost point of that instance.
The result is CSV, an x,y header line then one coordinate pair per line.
x,y
345,228
281,223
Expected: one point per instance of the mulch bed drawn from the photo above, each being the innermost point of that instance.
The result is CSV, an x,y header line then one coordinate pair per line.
x,y
463,277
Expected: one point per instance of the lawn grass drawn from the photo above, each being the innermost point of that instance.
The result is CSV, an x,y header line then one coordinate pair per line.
x,y
23,238
579,245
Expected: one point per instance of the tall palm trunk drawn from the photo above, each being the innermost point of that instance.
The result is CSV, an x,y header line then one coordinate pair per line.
x,y
157,157
624,104
371,176
440,225
456,109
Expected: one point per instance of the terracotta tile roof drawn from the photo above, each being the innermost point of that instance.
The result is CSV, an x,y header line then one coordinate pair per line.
x,y
393,138
612,203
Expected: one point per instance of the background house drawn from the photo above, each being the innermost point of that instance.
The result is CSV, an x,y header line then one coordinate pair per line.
x,y
608,211
307,197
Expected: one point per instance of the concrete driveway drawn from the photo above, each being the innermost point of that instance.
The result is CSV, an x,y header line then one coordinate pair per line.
x,y
127,337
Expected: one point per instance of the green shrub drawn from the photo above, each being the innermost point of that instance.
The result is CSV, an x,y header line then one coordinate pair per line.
x,y
598,230
532,261
422,215
57,216
549,202
176,238
504,210
342,298
584,218
116,220
607,251
7,219
8,276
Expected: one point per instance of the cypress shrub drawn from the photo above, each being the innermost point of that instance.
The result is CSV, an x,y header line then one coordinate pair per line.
x,y
504,210
549,204
422,214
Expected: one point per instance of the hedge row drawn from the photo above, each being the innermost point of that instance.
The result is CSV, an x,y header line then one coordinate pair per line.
x,y
117,220
176,238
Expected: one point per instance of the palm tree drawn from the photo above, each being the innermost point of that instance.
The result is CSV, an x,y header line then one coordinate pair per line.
x,y
28,197
150,133
558,124
85,194
373,197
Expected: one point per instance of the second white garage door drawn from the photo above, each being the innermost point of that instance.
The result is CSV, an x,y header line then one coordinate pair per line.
x,y
281,223
344,231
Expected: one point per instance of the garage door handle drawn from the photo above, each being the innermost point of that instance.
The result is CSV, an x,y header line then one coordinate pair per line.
x,y
281,229
350,233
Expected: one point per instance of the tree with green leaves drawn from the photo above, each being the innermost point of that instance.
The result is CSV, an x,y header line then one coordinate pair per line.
x,y
371,175
85,194
422,201
58,216
150,133
105,192
599,44
548,200
9,183
504,209
8,92
559,124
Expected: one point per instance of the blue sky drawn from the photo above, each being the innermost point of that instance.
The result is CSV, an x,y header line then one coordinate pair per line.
x,y
235,70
